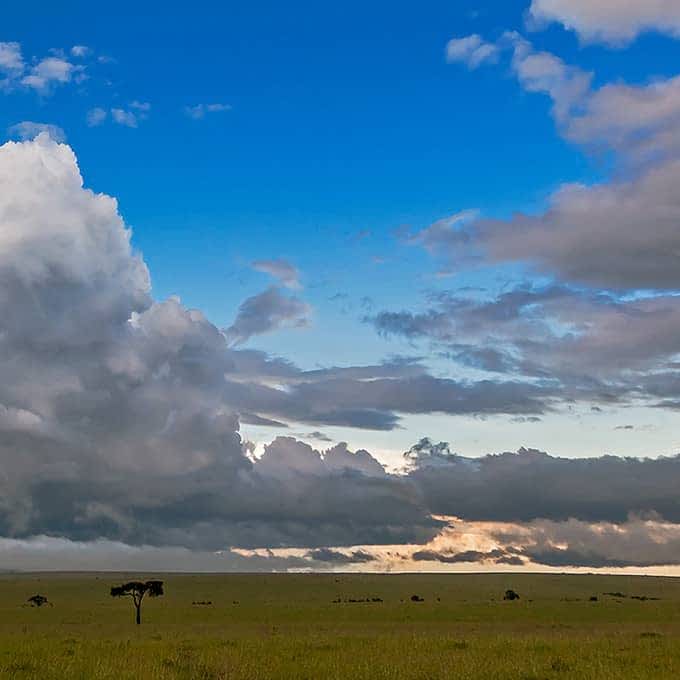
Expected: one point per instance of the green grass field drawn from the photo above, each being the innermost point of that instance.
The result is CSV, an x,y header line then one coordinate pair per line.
x,y
288,626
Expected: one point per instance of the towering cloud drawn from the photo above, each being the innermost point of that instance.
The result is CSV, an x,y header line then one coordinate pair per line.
x,y
119,415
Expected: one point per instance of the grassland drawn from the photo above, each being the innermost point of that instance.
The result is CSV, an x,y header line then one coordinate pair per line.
x,y
288,626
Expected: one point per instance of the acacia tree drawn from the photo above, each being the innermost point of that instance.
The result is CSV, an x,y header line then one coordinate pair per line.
x,y
136,590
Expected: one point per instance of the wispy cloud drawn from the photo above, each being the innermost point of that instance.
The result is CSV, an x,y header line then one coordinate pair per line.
x,y
280,269
200,111
127,117
142,107
472,50
80,51
28,129
11,59
123,117
96,116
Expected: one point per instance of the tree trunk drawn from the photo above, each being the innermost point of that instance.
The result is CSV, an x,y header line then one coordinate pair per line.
x,y
139,614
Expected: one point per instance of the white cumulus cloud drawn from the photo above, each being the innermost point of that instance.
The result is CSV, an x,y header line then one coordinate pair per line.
x,y
50,72
615,22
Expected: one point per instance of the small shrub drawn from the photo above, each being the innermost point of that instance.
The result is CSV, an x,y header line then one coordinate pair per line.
x,y
38,601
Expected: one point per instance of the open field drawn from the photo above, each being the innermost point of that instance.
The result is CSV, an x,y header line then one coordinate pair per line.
x,y
288,626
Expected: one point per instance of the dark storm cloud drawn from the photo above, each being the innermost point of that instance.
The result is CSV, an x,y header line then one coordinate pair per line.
x,y
637,542
497,556
372,397
42,553
254,419
527,485
289,497
567,557
380,398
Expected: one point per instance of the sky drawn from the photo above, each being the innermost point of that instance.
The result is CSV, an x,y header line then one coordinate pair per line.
x,y
340,287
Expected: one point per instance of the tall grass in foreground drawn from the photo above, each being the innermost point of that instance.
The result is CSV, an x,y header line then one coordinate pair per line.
x,y
262,627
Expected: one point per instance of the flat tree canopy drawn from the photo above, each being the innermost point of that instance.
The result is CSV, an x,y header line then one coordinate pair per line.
x,y
132,588
137,590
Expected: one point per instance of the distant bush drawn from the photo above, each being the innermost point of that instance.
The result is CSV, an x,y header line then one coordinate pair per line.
x,y
38,601
641,598
352,600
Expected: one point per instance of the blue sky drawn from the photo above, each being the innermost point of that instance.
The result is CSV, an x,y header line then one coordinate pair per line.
x,y
343,128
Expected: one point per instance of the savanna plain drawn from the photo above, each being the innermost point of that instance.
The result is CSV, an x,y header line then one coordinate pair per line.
x,y
252,627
